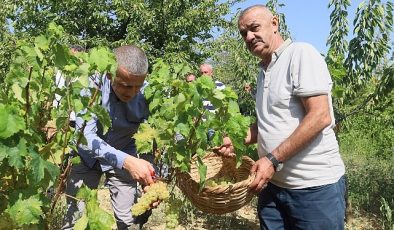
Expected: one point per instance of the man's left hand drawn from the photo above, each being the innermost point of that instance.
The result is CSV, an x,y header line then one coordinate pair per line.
x,y
264,170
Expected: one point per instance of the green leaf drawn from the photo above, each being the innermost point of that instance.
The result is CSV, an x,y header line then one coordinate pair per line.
x,y
78,105
76,160
202,171
3,153
15,158
164,72
61,56
206,82
97,218
180,98
39,53
183,129
83,73
39,166
84,193
154,104
25,212
41,42
72,67
233,107
17,90
103,116
9,123
102,59
81,223
218,94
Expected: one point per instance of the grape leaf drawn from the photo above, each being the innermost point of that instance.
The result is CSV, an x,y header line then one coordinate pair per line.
x,y
97,218
206,82
41,42
61,55
76,160
102,59
26,211
83,72
202,171
81,223
15,158
18,92
9,123
3,153
38,167
233,107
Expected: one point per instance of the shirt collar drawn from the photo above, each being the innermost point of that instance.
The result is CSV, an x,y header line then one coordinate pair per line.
x,y
278,52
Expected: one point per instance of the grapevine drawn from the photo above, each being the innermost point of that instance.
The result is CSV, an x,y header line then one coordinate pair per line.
x,y
172,211
156,192
179,123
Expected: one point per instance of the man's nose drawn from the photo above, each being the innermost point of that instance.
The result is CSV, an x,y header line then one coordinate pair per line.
x,y
249,36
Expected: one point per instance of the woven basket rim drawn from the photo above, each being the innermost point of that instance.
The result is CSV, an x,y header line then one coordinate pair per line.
x,y
219,199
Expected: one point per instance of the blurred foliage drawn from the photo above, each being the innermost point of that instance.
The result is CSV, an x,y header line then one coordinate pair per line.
x,y
173,30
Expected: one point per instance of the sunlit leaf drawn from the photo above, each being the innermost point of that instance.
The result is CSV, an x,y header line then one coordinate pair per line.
x,y
9,123
26,211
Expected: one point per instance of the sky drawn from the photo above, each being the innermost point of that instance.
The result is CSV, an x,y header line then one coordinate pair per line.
x,y
308,20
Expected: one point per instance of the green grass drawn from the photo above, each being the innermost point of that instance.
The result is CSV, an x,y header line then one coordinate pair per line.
x,y
370,178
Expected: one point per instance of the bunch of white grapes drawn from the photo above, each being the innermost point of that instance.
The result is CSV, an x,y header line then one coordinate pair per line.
x,y
156,192
213,182
172,211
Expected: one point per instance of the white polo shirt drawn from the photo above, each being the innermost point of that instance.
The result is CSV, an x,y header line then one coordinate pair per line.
x,y
296,70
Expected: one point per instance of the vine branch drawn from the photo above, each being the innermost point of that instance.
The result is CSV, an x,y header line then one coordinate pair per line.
x,y
27,92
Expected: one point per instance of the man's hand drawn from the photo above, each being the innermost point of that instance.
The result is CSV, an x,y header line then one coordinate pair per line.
x,y
227,148
140,170
264,171
154,204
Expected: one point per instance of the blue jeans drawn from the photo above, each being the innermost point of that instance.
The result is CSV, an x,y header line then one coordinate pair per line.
x,y
320,207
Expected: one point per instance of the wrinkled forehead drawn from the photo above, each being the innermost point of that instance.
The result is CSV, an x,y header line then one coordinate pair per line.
x,y
123,73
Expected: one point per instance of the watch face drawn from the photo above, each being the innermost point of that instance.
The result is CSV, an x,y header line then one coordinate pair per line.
x,y
280,166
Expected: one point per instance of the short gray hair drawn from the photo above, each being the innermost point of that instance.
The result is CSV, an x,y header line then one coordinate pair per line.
x,y
257,6
132,58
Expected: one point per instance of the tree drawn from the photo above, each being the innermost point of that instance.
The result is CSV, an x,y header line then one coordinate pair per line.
x,y
366,62
171,29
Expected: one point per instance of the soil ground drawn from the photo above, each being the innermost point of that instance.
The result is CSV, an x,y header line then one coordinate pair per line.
x,y
243,219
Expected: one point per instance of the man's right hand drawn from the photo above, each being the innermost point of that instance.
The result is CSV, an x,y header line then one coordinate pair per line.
x,y
140,170
227,148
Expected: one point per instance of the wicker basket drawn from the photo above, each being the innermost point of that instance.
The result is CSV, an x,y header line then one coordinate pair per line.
x,y
222,198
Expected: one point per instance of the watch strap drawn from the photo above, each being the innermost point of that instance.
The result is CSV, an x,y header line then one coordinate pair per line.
x,y
274,161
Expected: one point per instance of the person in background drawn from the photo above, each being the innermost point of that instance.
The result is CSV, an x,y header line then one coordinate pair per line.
x,y
114,153
190,77
300,173
207,70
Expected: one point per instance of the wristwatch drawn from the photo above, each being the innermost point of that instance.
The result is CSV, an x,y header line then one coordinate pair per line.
x,y
277,164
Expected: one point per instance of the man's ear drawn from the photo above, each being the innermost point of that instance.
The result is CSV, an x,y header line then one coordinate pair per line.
x,y
275,22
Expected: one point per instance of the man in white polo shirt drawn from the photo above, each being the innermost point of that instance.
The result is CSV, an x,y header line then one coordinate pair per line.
x,y
300,173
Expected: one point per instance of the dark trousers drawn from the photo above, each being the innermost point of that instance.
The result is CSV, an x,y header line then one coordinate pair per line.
x,y
320,207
